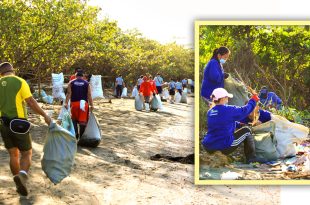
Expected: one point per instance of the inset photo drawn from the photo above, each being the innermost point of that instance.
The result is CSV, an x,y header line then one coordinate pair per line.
x,y
253,102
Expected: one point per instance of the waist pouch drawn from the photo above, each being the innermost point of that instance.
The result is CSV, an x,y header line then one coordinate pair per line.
x,y
17,125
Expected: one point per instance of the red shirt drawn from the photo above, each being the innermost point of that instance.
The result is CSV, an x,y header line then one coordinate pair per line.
x,y
153,84
146,88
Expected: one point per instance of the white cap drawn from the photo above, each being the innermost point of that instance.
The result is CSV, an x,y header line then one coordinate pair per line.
x,y
221,93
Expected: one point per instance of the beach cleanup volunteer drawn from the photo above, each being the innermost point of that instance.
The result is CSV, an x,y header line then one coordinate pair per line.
x,y
221,135
14,126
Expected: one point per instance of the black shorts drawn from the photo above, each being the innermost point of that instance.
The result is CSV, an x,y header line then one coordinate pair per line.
x,y
172,92
159,89
11,140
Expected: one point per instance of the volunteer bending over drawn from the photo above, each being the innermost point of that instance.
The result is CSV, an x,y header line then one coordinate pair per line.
x,y
221,135
14,126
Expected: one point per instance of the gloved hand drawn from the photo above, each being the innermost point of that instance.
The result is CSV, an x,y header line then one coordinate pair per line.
x,y
255,97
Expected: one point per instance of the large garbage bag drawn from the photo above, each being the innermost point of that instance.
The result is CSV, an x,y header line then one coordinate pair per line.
x,y
139,103
265,141
48,99
238,90
177,97
154,104
66,121
58,82
59,151
184,97
134,92
92,135
124,92
96,86
166,94
160,104
288,134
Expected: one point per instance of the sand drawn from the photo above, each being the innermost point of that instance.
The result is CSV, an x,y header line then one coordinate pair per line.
x,y
120,170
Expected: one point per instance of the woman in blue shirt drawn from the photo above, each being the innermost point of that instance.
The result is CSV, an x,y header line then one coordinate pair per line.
x,y
213,76
222,134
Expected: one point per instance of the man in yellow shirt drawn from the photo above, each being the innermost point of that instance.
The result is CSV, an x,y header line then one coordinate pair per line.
x,y
14,127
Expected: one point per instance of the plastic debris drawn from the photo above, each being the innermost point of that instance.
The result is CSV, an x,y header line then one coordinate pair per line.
x,y
230,175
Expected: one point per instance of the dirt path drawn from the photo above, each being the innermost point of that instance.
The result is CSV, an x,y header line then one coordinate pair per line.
x,y
120,170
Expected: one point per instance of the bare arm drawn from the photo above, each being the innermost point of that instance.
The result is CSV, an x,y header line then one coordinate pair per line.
x,y
33,104
68,97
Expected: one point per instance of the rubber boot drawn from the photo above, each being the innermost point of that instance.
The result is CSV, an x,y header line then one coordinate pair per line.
x,y
249,151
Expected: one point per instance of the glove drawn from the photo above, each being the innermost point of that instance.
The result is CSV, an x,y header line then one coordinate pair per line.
x,y
255,97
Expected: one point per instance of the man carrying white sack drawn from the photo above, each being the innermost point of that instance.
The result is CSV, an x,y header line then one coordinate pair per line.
x,y
79,93
14,126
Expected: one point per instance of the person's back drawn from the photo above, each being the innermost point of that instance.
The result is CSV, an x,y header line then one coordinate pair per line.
x,y
15,90
222,123
171,85
178,85
79,89
146,88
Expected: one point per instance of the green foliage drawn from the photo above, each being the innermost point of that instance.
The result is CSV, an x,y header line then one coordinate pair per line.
x,y
40,37
276,56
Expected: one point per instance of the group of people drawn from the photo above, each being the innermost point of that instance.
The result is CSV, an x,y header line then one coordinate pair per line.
x,y
229,126
148,86
14,125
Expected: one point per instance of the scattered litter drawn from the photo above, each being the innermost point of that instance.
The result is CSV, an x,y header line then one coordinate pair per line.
x,y
230,175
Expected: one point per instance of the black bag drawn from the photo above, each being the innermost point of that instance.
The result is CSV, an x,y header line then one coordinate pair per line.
x,y
17,125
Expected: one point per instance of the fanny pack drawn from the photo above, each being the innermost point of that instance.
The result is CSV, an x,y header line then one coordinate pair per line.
x,y
17,125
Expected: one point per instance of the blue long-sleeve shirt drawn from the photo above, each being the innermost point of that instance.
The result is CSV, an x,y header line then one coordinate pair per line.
x,y
222,124
213,77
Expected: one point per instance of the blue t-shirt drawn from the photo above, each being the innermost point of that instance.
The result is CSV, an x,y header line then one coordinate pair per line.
x,y
119,81
172,85
184,82
158,80
222,124
264,116
79,90
178,85
213,77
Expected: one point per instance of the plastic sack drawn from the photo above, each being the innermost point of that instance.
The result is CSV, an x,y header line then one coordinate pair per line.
x,y
124,92
166,94
66,121
92,135
154,105
184,97
59,151
48,99
238,90
265,141
58,83
160,104
134,92
139,102
177,97
96,86
147,107
287,134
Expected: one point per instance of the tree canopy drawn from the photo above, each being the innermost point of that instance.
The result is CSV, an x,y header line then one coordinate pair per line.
x,y
275,56
44,36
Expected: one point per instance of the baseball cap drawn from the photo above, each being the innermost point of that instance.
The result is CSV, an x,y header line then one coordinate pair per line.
x,y
221,93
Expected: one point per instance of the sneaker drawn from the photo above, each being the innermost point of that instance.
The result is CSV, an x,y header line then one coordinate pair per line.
x,y
20,181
